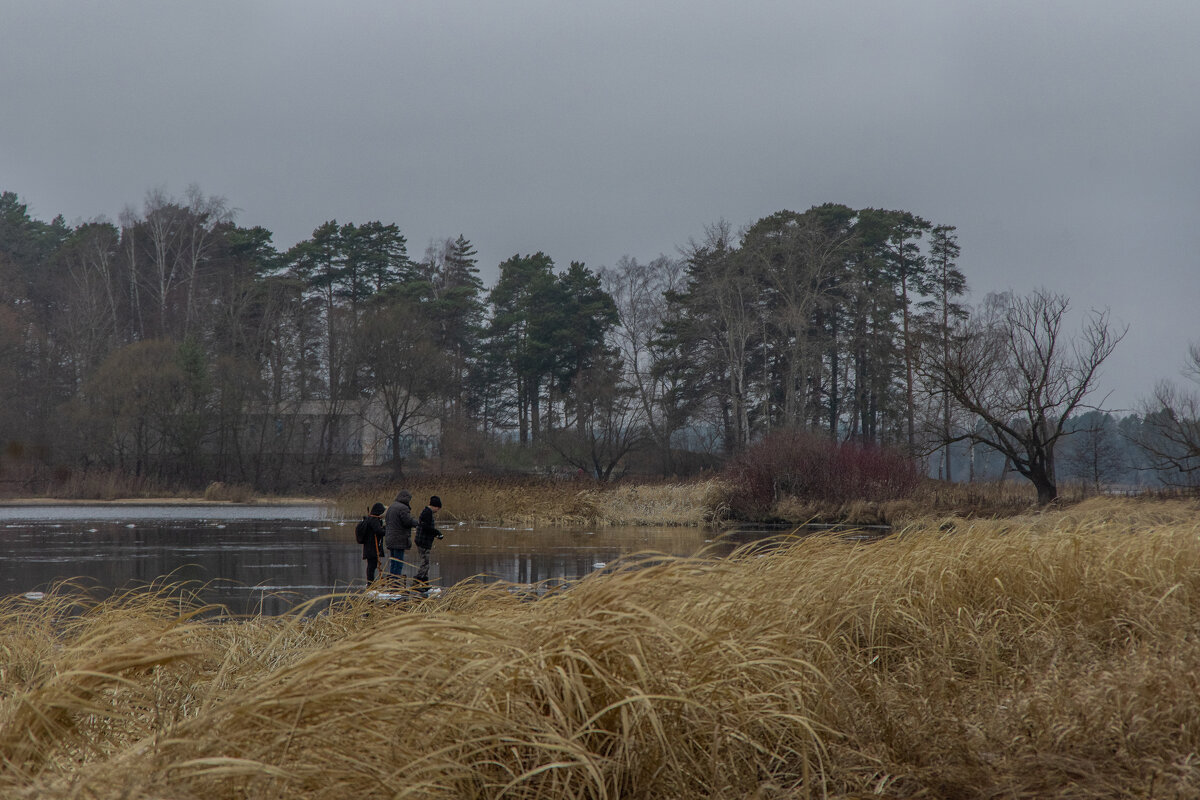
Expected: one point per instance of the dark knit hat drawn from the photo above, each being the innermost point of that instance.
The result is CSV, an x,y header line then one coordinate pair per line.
x,y
377,510
435,501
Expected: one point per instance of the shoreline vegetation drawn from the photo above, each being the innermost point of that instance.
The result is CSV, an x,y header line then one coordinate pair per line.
x,y
535,501
1045,654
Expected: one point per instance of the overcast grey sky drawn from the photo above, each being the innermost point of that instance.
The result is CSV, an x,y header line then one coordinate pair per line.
x,y
1062,138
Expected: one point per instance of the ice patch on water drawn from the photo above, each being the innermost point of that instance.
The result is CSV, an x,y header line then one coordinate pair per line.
x,y
377,595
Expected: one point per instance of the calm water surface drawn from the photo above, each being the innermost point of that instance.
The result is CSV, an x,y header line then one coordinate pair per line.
x,y
268,558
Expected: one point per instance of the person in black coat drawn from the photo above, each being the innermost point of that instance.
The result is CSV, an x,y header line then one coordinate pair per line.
x,y
370,533
426,533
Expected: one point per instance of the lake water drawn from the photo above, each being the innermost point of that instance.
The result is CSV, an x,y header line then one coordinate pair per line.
x,y
268,558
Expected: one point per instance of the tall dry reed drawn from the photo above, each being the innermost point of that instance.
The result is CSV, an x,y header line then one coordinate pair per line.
x,y
104,485
544,502
1053,655
536,501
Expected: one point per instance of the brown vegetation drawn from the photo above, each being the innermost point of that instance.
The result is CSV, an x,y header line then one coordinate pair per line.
x,y
798,463
230,492
1049,655
565,503
539,501
560,503
97,484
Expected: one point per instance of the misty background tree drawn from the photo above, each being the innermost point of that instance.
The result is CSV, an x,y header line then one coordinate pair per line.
x,y
1169,437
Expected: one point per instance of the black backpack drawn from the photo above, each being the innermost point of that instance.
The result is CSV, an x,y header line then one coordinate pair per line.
x,y
361,531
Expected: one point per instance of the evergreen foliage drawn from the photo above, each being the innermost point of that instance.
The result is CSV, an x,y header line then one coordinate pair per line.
x,y
829,321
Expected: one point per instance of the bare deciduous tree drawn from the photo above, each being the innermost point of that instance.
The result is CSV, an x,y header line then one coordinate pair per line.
x,y
639,290
91,288
405,371
723,301
610,423
1013,367
166,249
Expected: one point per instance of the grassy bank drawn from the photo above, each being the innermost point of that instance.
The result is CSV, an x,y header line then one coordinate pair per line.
x,y
1051,655
543,502
536,501
540,501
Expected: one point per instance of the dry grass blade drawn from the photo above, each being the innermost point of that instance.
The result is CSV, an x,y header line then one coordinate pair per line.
x,y
1054,655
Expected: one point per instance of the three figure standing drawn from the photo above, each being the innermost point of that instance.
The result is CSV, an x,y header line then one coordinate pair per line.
x,y
398,524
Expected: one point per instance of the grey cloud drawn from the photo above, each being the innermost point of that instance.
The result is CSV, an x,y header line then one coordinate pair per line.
x,y
1059,137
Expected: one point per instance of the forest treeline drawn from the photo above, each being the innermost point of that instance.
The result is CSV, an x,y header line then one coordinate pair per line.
x,y
179,344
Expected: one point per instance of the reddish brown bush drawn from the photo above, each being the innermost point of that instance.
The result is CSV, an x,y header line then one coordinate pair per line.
x,y
813,467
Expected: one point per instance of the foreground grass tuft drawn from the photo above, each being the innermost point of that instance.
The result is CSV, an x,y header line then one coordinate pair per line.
x,y
1050,655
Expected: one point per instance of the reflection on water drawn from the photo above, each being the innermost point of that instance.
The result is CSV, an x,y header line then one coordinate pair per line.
x,y
256,558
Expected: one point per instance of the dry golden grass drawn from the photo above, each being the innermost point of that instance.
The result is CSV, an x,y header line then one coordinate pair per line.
x,y
107,485
231,492
566,503
1051,655
968,500
991,498
544,502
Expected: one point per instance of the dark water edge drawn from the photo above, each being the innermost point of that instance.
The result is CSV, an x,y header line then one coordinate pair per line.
x,y
269,559
256,559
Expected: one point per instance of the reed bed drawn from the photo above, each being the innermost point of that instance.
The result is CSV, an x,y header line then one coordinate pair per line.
x,y
1051,655
992,498
557,503
539,501
99,485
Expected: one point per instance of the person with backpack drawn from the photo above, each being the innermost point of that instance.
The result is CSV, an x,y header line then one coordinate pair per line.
x,y
369,533
426,533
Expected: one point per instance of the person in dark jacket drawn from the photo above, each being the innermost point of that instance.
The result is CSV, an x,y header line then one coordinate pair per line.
x,y
372,540
398,525
426,533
